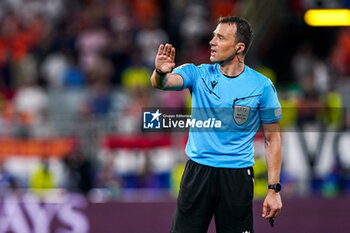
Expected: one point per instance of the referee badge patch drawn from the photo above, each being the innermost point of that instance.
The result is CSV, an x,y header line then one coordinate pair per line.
x,y
241,114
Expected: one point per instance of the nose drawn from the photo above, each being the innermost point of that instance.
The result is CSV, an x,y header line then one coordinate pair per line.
x,y
212,42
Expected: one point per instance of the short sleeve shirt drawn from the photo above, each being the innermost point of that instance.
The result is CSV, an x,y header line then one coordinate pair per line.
x,y
240,103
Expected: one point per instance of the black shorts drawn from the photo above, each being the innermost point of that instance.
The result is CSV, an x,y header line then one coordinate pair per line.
x,y
223,192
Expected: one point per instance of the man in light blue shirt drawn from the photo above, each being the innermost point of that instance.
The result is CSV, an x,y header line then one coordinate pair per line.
x,y
218,178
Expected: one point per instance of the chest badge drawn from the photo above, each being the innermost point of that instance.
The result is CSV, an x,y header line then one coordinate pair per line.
x,y
213,84
241,114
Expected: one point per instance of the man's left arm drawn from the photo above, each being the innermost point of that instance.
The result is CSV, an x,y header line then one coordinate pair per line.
x,y
273,203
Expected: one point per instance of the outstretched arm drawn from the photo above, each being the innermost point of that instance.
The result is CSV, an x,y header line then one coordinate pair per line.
x,y
273,203
162,78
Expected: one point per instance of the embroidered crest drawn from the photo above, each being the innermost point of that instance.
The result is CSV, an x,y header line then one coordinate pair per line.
x,y
241,114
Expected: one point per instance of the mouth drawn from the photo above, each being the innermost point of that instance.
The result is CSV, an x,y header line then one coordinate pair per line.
x,y
212,52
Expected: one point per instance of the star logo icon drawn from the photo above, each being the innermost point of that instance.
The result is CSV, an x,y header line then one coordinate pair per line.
x,y
151,119
156,115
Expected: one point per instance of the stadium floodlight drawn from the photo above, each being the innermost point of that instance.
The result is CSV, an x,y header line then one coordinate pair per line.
x,y
327,17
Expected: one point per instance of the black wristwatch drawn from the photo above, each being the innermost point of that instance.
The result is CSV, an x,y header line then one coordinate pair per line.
x,y
277,187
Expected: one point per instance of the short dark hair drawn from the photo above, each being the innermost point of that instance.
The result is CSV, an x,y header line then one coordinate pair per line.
x,y
244,31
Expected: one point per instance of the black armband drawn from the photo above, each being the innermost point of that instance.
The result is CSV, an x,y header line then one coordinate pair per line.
x,y
160,73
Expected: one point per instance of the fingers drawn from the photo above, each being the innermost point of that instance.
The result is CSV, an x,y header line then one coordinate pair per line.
x,y
167,50
264,212
271,212
172,53
164,60
272,205
160,49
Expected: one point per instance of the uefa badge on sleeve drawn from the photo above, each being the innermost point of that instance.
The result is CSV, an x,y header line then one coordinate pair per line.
x,y
278,112
152,119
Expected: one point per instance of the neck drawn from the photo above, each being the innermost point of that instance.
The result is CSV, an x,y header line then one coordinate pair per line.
x,y
233,68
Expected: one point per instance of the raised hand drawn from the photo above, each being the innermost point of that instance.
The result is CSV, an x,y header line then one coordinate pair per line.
x,y
164,61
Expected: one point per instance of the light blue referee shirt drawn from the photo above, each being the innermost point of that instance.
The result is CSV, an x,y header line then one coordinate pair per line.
x,y
240,103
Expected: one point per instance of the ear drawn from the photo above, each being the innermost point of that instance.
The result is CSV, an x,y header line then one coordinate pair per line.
x,y
240,47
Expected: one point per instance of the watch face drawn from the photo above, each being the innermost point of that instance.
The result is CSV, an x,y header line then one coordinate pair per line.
x,y
278,187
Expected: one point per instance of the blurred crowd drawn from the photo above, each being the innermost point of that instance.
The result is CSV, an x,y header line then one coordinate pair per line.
x,y
81,69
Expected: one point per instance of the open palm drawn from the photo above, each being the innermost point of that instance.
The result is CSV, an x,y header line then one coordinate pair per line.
x,y
165,58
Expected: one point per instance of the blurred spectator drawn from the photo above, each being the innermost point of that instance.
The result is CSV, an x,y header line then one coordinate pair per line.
x,y
91,43
194,24
322,82
30,103
194,30
122,37
108,179
302,63
79,172
42,180
25,70
148,40
27,8
119,54
334,116
99,99
340,56
73,76
53,67
6,70
8,182
135,81
289,104
136,76
17,38
310,108
7,119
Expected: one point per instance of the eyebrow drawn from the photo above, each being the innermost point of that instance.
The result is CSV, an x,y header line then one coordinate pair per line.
x,y
218,34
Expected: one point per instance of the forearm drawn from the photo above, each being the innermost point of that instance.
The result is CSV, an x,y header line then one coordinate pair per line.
x,y
272,203
167,81
273,157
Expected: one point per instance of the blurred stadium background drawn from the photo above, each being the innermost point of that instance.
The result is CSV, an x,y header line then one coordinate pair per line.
x,y
74,76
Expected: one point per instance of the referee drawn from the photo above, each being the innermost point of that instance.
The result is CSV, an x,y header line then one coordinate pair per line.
x,y
218,179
